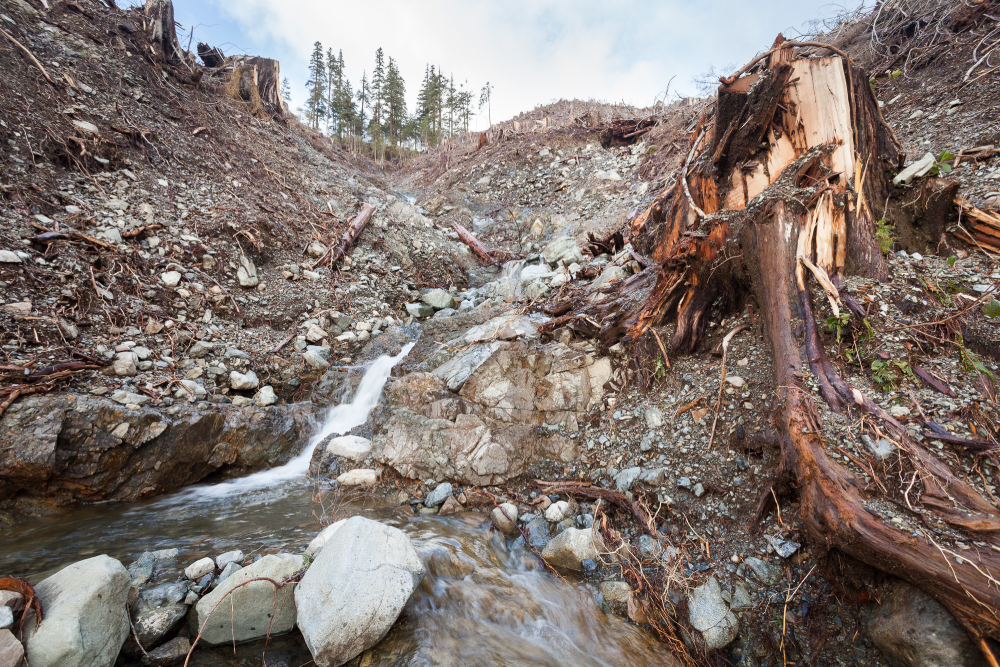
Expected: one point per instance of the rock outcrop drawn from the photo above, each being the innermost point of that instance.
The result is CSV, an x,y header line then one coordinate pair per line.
x,y
65,448
520,404
84,622
355,589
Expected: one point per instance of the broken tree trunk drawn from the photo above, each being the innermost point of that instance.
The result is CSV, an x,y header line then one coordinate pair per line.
x,y
778,199
475,244
163,34
210,55
349,237
256,82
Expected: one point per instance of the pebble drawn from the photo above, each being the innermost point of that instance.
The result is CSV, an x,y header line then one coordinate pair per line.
x,y
199,568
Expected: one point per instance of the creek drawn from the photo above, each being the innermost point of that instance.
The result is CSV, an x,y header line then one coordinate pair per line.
x,y
484,601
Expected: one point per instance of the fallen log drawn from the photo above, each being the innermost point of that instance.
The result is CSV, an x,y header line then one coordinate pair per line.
x,y
334,254
780,190
475,244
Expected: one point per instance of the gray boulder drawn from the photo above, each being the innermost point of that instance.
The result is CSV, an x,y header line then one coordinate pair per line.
x,y
84,623
355,590
158,611
250,616
420,310
440,493
571,547
710,615
438,299
11,650
912,629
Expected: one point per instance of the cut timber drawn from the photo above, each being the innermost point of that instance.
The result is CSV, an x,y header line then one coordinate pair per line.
x,y
256,81
160,14
789,178
210,55
349,237
475,244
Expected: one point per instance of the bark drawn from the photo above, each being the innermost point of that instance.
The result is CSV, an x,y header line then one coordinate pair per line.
x,y
163,34
210,55
348,238
475,244
256,82
781,195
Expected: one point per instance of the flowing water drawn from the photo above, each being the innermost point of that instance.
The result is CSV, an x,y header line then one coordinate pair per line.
x,y
481,603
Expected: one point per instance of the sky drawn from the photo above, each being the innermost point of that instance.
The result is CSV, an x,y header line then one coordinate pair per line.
x,y
531,51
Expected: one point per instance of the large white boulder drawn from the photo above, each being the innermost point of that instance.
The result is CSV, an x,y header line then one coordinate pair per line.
x,y
355,589
250,616
84,622
351,447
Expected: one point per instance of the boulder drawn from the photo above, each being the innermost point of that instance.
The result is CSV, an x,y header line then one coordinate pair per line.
x,y
158,611
265,397
243,381
70,448
11,650
505,518
419,310
710,615
172,653
351,447
355,590
358,477
440,493
912,629
234,556
199,568
557,511
564,249
438,299
84,623
324,536
571,547
255,610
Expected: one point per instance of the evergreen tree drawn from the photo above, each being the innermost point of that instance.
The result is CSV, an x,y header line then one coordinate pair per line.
x,y
394,94
363,100
343,101
316,85
378,84
332,65
286,91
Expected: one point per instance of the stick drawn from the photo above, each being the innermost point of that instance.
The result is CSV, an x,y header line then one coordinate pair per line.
x,y
354,230
33,58
722,378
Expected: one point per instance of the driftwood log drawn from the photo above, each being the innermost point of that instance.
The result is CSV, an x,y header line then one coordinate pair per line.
x,y
475,244
349,237
786,178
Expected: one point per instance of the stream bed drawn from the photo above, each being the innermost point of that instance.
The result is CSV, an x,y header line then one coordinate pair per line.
x,y
482,601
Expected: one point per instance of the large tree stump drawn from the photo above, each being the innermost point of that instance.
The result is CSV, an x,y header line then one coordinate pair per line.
x,y
163,34
785,179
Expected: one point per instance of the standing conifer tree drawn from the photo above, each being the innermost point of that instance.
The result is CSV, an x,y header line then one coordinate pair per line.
x,y
484,100
363,100
316,85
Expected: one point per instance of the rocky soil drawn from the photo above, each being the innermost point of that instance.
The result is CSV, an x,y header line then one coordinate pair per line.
x,y
168,242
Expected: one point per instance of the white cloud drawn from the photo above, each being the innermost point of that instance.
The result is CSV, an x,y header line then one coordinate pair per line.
x,y
532,51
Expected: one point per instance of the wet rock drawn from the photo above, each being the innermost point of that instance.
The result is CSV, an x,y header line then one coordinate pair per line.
x,y
229,570
615,595
254,611
710,615
450,506
142,568
440,493
222,560
77,445
505,518
198,569
11,650
158,611
172,653
571,547
442,563
84,623
912,629
355,590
